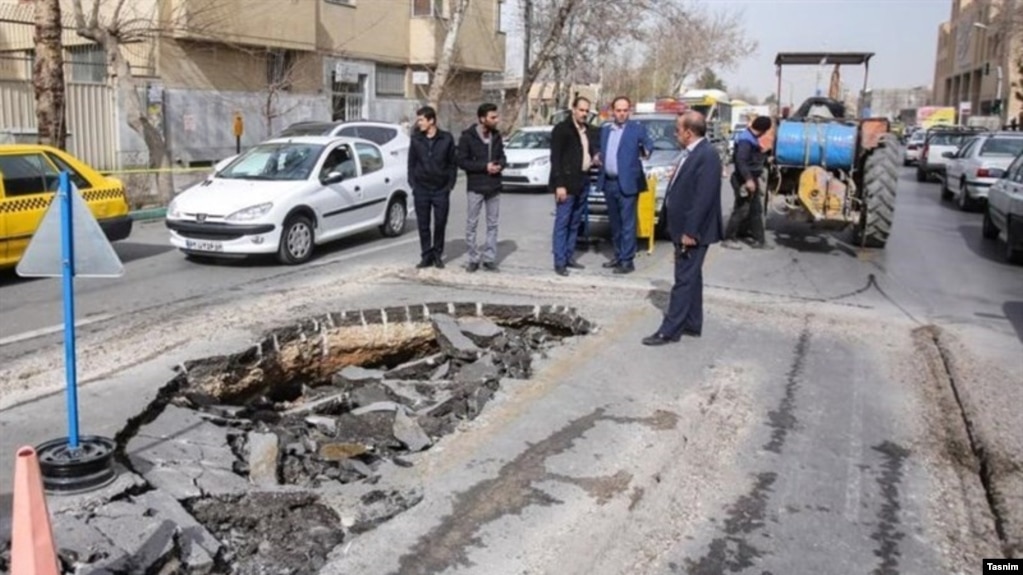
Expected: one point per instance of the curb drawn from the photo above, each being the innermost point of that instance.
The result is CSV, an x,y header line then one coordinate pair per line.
x,y
148,214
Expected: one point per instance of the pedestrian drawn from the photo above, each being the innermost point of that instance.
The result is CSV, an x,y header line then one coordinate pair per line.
x,y
432,173
481,156
693,211
748,209
624,144
571,158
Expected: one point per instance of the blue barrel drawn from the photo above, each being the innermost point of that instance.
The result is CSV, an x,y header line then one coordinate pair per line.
x,y
828,144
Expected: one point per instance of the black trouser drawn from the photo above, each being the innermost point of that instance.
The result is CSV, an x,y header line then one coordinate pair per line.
x,y
748,211
438,203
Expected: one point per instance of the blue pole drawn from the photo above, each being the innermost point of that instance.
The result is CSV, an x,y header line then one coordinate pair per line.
x,y
67,250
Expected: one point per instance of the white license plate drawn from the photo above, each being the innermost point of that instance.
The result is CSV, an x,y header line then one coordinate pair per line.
x,y
204,246
513,172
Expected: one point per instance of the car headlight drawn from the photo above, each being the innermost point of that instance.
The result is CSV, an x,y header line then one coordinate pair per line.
x,y
540,162
172,210
250,213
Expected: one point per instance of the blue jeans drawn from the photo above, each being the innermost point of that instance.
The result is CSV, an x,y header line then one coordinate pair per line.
x,y
621,214
567,217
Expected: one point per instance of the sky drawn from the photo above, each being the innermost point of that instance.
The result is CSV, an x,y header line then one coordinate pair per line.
x,y
901,33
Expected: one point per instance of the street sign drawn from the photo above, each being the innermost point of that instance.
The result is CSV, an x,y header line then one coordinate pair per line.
x,y
93,254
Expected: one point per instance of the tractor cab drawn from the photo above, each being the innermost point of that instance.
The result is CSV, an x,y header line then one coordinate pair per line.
x,y
820,108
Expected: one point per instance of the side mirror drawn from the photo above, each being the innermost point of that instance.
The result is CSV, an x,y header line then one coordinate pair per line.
x,y
333,178
949,155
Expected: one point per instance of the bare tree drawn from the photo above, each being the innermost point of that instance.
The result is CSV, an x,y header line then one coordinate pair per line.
x,y
112,33
447,55
48,75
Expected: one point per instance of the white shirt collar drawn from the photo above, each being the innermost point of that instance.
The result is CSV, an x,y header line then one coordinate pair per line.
x,y
693,144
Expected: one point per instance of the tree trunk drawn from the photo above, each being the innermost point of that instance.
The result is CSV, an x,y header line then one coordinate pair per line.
x,y
48,75
440,75
542,59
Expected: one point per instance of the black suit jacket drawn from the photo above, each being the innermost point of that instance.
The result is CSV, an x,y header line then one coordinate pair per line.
x,y
567,156
694,197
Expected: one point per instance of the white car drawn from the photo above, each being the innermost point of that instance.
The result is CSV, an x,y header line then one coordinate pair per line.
x,y
972,170
1004,214
287,195
529,158
914,145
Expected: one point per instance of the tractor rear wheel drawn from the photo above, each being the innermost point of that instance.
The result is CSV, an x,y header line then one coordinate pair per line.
x,y
880,180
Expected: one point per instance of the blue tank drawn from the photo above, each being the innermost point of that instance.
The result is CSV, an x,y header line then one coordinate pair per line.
x,y
828,144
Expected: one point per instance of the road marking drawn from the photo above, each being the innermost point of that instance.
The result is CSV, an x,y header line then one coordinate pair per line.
x,y
52,329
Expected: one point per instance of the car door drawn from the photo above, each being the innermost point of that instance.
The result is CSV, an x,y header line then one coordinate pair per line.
x,y
29,182
340,202
1008,187
960,164
376,182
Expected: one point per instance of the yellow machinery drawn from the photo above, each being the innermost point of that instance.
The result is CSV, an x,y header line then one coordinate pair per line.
x,y
646,213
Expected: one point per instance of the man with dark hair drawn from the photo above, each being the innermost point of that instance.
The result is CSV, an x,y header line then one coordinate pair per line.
x,y
693,211
624,144
749,197
432,172
481,155
571,158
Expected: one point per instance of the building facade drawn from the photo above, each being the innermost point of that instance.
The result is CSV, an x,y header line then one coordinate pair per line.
x,y
197,63
976,64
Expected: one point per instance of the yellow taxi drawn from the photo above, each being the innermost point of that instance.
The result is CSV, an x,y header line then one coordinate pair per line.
x,y
30,176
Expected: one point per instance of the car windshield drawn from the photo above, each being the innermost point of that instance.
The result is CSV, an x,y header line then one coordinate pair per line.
x,y
1002,147
531,140
305,130
947,138
662,132
278,162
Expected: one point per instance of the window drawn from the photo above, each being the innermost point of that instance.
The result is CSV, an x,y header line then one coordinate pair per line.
x,y
77,179
377,134
339,160
88,64
370,158
390,80
341,2
27,174
1005,147
1016,169
428,8
279,67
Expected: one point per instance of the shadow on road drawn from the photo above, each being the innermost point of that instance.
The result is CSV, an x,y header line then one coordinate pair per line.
x,y
1014,312
132,251
455,249
805,238
992,250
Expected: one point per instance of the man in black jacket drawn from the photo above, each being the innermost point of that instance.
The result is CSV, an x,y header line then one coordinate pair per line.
x,y
481,155
432,172
571,158
748,209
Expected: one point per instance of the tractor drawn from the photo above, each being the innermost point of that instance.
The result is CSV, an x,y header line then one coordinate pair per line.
x,y
830,167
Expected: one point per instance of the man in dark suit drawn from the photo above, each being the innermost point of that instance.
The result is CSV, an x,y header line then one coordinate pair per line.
x,y
693,206
571,158
623,144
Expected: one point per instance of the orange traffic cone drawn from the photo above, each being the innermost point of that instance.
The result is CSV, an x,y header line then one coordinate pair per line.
x,y
33,551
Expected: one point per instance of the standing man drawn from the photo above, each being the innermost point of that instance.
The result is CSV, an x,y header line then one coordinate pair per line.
x,y
481,155
432,172
748,209
571,158
624,144
693,206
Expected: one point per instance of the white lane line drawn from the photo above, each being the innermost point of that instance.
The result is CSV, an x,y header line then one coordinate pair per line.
x,y
52,329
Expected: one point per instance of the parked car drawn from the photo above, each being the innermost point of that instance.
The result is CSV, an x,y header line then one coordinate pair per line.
x,y
1003,217
977,165
914,145
528,151
661,162
390,137
288,195
30,178
936,142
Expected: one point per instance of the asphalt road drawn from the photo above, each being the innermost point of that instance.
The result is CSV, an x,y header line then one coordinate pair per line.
x,y
809,430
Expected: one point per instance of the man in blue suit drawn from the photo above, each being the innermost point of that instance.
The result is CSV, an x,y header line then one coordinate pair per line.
x,y
693,206
621,178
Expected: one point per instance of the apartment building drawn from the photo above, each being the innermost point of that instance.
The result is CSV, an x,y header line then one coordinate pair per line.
x,y
976,66
275,62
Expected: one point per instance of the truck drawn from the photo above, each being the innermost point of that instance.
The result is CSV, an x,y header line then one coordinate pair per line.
x,y
829,166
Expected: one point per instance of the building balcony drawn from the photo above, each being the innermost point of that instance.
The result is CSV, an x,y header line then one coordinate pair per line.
x,y
286,24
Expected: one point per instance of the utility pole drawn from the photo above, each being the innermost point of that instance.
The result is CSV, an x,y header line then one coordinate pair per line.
x,y
527,21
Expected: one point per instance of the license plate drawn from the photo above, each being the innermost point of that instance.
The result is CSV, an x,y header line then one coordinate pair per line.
x,y
513,172
204,246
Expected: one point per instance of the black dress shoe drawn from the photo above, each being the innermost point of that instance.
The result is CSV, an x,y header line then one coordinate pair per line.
x,y
490,266
473,266
610,264
575,265
424,263
439,263
690,333
658,339
625,269
561,271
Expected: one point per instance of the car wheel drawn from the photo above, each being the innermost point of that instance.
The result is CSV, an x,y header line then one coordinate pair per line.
x,y
296,241
963,199
988,229
946,194
394,219
1013,254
